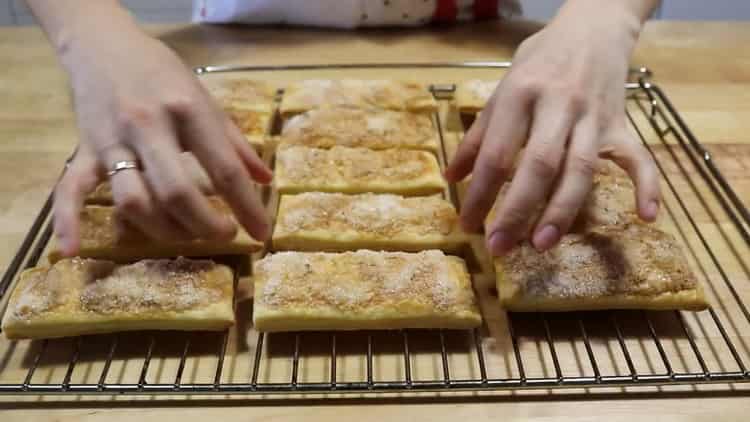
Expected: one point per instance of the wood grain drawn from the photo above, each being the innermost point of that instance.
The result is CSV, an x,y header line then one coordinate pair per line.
x,y
705,69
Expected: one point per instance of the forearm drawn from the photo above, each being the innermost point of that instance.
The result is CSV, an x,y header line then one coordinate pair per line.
x,y
69,24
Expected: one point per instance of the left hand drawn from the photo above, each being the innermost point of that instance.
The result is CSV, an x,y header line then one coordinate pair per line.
x,y
563,98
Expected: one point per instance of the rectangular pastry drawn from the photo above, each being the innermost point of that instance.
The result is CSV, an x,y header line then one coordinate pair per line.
x,y
349,127
357,170
85,296
337,222
249,103
306,95
472,95
297,291
102,239
609,267
255,125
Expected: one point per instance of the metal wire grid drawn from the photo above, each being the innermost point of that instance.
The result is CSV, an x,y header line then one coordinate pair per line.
x,y
659,113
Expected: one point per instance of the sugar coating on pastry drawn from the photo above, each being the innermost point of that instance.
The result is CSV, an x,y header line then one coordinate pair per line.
x,y
607,267
240,93
350,127
248,102
255,125
363,289
332,221
472,95
379,94
79,296
356,170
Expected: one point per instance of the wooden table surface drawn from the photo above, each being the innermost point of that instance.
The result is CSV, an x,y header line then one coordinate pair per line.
x,y
704,67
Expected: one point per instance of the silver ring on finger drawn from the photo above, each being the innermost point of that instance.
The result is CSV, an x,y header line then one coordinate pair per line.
x,y
122,165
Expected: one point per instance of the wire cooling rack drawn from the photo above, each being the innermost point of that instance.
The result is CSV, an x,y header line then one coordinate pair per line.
x,y
510,352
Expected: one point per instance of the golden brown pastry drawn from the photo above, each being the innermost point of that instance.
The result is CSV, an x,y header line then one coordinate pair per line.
x,y
356,170
317,221
363,290
373,129
101,238
253,124
306,95
241,93
472,95
86,296
616,267
249,103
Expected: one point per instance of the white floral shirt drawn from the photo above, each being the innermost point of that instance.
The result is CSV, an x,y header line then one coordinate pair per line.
x,y
350,13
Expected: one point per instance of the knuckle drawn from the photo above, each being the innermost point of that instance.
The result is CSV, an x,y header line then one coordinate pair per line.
x,y
513,217
132,204
497,166
181,105
227,175
176,194
526,87
583,164
563,210
576,100
604,118
542,164
135,113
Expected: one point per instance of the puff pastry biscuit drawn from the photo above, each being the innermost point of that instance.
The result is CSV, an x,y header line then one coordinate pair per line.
x,y
472,95
630,267
337,222
357,170
249,103
102,239
86,296
381,94
360,290
328,127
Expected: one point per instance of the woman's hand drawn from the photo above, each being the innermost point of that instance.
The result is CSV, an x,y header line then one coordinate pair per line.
x,y
563,99
136,101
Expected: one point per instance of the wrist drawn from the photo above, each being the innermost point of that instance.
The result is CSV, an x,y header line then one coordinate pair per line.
x,y
100,26
615,21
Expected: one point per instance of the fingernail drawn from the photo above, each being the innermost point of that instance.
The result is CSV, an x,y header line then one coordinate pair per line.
x,y
652,209
546,237
500,243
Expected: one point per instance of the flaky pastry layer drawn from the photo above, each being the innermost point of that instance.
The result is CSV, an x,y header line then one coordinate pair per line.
x,y
472,95
379,94
86,296
317,221
356,170
363,290
349,127
634,266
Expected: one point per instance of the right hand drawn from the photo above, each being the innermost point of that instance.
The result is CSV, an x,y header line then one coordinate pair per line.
x,y
136,100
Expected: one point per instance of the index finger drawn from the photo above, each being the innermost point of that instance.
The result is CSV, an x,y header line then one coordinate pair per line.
x,y
205,134
506,131
79,180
